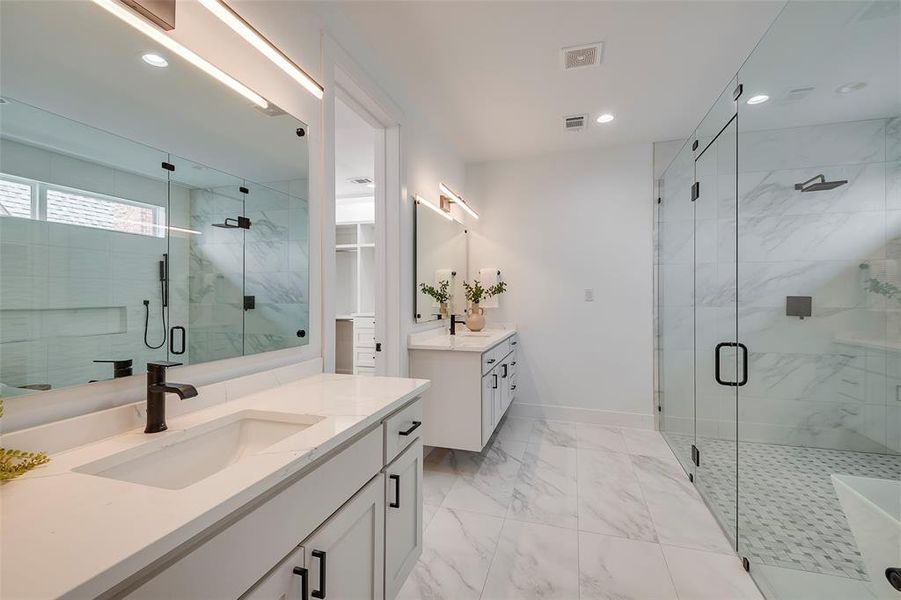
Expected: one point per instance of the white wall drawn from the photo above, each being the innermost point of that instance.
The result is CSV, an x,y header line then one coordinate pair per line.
x,y
556,226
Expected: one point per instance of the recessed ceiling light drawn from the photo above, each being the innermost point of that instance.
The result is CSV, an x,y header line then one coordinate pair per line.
x,y
155,60
758,99
605,118
851,87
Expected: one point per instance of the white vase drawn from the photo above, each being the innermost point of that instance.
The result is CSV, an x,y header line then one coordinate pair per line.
x,y
476,319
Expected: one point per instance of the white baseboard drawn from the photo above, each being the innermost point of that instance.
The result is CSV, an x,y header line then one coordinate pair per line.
x,y
583,415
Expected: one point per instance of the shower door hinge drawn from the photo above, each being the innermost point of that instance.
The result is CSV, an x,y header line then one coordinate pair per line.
x,y
250,302
659,200
243,222
737,93
243,190
378,346
694,145
168,166
695,190
695,455
746,563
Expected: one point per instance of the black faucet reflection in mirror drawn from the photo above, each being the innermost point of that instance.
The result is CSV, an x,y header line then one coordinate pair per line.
x,y
121,368
453,324
157,387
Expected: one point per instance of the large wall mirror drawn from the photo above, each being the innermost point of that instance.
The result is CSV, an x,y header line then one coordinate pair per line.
x,y
441,255
147,212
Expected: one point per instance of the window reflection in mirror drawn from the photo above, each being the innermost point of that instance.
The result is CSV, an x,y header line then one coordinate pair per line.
x,y
124,191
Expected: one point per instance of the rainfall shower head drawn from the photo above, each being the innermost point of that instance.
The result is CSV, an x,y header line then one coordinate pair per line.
x,y
230,223
820,185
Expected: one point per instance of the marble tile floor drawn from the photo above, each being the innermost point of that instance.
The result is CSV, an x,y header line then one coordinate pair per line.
x,y
557,510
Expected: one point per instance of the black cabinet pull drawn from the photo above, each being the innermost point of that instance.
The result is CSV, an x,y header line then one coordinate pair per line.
x,y
512,387
396,480
320,554
414,427
494,387
491,361
513,343
513,364
504,367
304,582
172,339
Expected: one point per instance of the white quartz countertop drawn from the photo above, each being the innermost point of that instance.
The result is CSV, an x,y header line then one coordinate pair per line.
x,y
463,341
71,534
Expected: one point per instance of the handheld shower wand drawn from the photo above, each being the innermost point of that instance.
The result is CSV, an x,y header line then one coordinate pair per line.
x,y
164,303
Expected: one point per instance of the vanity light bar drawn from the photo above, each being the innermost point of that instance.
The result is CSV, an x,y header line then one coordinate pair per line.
x,y
228,16
457,199
125,14
425,202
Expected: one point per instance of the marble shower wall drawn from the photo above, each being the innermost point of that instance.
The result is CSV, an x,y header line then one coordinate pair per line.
x,y
270,261
830,380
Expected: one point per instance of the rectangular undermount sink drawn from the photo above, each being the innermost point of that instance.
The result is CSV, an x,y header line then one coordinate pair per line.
x,y
183,458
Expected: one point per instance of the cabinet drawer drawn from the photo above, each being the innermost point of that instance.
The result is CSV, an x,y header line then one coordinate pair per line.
x,y
364,323
364,357
283,581
364,338
401,429
268,533
491,358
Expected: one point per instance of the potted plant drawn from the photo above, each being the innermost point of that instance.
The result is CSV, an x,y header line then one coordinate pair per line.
x,y
475,293
439,294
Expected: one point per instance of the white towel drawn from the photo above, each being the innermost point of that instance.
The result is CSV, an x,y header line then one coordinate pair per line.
x,y
488,277
444,275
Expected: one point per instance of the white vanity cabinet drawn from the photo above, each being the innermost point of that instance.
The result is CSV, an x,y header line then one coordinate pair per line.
x,y
472,388
350,528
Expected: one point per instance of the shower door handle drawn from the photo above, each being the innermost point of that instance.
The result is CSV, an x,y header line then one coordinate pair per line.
x,y
744,363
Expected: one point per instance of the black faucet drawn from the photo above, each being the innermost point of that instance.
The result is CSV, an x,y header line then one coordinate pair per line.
x,y
453,324
156,394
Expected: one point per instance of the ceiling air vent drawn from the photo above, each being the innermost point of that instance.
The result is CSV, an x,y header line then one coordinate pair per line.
x,y
360,180
586,55
574,122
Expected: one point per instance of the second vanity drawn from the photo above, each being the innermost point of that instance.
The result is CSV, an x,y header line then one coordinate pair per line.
x,y
310,489
473,377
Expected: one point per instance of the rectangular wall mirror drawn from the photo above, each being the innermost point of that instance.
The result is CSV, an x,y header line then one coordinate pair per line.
x,y
441,256
147,212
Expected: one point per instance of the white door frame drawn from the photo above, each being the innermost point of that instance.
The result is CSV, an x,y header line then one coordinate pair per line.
x,y
345,80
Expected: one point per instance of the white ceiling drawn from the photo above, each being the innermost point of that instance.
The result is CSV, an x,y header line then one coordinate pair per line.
x,y
76,60
489,74
354,151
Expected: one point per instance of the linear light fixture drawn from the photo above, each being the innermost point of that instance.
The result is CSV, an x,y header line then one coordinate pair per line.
x,y
458,200
428,204
125,14
237,23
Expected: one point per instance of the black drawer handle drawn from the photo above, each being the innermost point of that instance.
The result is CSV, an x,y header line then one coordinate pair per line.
x,y
320,554
513,364
415,426
304,582
491,361
494,387
396,480
504,367
512,387
513,343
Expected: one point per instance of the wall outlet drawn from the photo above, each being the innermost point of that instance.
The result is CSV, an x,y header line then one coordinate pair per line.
x,y
589,295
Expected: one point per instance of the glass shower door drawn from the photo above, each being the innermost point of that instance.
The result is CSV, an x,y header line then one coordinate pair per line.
x,y
719,356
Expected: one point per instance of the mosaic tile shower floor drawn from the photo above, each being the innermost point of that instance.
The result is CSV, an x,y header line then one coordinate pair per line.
x,y
789,515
